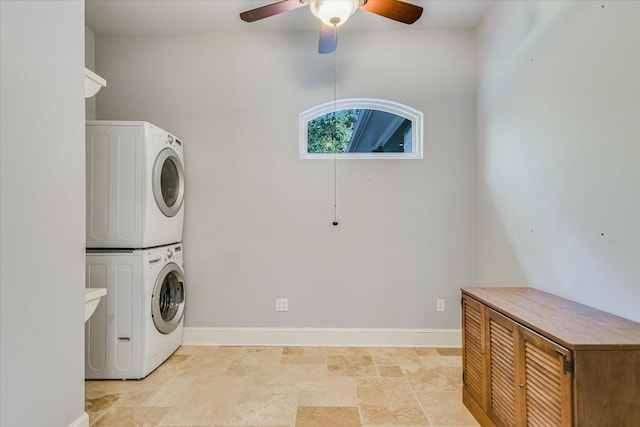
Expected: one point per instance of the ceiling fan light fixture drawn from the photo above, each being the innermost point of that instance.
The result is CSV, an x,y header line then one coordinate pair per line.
x,y
334,12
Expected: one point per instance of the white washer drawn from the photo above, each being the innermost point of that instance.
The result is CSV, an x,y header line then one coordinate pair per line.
x,y
135,185
139,323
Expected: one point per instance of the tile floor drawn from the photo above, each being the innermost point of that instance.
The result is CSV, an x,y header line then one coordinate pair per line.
x,y
288,386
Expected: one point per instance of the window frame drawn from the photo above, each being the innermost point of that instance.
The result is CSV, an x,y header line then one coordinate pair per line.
x,y
416,117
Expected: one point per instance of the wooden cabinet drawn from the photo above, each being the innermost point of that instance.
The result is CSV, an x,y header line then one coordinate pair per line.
x,y
534,359
473,345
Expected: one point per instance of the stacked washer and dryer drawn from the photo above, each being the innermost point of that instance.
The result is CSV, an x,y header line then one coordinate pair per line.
x,y
135,216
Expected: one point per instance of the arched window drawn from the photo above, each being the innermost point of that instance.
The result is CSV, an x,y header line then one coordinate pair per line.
x,y
361,128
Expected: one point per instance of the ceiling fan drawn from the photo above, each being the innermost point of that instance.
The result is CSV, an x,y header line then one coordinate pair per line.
x,y
334,13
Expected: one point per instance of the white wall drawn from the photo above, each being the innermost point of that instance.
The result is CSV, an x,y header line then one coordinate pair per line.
x,y
90,63
258,218
557,178
41,213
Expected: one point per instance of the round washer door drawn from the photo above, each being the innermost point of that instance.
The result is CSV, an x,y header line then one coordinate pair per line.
x,y
168,182
167,301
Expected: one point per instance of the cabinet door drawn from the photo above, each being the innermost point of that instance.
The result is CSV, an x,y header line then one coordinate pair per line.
x,y
545,383
473,343
503,341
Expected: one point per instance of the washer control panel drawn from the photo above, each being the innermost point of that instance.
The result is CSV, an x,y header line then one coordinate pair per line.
x,y
161,256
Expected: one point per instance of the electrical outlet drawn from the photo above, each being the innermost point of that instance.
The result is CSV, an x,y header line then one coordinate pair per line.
x,y
439,305
282,304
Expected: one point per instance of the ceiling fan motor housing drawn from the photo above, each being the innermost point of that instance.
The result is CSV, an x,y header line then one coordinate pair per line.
x,y
334,12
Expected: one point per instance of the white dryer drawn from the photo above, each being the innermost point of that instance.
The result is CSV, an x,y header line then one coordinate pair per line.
x,y
139,323
135,185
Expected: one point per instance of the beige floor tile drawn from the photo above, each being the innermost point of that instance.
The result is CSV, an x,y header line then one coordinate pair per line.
x,y
174,391
338,351
294,377
425,351
446,409
388,401
314,416
389,371
190,366
250,425
229,355
395,356
252,355
229,351
265,405
98,400
351,366
293,350
96,403
238,370
138,417
222,361
449,351
303,359
435,361
272,386
199,350
208,401
173,366
439,378
136,398
339,391
178,359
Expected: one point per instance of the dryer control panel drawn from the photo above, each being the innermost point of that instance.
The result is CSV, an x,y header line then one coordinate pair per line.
x,y
174,142
160,137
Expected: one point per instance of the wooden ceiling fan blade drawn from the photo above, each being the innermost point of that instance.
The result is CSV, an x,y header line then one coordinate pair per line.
x,y
270,10
328,39
394,9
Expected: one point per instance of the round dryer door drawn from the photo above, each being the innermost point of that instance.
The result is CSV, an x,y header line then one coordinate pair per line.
x,y
167,301
168,182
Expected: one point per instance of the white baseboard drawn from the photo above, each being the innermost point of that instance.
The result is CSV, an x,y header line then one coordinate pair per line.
x,y
81,421
346,337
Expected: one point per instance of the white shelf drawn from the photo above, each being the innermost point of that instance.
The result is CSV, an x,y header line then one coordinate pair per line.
x,y
92,83
91,299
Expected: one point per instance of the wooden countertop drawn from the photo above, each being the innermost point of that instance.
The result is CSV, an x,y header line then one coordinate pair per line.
x,y
568,323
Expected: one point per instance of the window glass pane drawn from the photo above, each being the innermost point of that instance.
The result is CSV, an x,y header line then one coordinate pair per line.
x,y
361,128
170,297
359,131
170,182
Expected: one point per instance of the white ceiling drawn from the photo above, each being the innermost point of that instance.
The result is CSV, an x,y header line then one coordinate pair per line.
x,y
203,16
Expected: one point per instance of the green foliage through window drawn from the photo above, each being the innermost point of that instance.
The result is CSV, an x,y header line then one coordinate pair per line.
x,y
331,133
